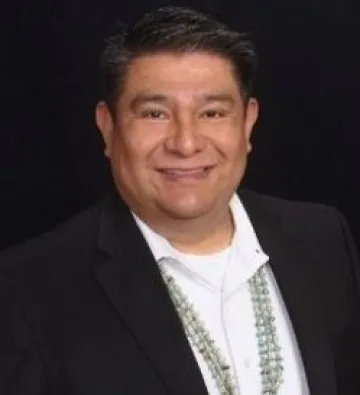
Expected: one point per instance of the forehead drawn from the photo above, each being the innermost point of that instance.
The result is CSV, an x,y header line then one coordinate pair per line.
x,y
180,73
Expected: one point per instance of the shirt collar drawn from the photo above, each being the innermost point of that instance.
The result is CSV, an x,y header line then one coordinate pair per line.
x,y
247,254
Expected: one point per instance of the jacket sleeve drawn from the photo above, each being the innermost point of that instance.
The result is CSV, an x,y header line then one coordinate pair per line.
x,y
347,351
353,255
21,370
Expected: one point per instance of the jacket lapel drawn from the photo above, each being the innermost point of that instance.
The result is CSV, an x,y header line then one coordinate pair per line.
x,y
134,285
292,266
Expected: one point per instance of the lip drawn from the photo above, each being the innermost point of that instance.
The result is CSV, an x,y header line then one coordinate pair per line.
x,y
184,169
186,173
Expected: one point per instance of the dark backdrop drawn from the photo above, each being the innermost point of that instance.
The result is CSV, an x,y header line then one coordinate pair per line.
x,y
51,164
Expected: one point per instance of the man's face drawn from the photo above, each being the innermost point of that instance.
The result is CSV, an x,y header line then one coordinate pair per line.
x,y
179,143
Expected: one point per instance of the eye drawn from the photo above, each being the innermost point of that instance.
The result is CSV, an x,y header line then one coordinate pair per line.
x,y
153,114
213,114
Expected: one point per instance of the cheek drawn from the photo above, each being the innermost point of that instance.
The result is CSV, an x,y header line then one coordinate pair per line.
x,y
236,151
132,153
233,144
141,137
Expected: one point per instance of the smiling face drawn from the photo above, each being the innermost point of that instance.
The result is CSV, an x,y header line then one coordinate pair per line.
x,y
179,140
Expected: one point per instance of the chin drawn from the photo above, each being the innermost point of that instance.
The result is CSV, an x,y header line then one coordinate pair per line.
x,y
181,211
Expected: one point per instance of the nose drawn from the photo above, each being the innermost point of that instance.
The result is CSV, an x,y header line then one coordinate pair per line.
x,y
185,138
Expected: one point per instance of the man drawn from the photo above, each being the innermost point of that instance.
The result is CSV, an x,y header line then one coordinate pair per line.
x,y
175,283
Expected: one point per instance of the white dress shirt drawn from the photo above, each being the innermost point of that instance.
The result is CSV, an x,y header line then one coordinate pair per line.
x,y
217,286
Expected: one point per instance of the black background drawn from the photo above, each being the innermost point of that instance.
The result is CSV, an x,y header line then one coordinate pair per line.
x,y
306,146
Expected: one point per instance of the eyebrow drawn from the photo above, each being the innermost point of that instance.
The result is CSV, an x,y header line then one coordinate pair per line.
x,y
218,97
144,98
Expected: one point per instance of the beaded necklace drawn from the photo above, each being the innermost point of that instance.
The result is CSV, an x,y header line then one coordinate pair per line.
x,y
269,350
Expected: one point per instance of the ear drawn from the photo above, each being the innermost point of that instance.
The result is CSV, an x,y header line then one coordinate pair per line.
x,y
105,124
251,116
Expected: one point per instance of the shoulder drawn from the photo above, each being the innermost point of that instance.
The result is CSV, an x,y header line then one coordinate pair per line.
x,y
317,228
290,212
312,225
316,234
73,238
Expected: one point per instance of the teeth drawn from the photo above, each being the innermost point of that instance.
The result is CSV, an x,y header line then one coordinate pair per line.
x,y
184,171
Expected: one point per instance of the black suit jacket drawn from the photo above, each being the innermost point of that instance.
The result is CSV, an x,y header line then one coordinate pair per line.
x,y
84,310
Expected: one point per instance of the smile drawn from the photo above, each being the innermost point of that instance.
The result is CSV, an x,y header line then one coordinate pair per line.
x,y
186,173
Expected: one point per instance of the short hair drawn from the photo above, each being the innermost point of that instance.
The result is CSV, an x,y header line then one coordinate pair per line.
x,y
178,30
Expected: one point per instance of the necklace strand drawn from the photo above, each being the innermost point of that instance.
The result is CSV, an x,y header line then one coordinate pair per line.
x,y
269,350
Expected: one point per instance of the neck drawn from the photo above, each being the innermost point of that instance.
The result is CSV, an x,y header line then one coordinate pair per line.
x,y
201,236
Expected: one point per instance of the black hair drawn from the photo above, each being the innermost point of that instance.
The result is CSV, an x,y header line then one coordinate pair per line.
x,y
180,30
